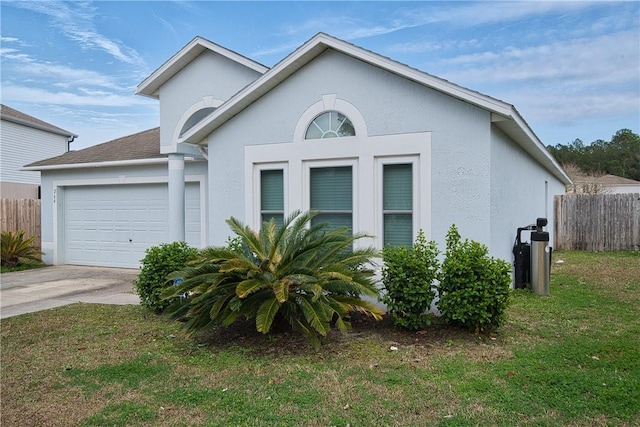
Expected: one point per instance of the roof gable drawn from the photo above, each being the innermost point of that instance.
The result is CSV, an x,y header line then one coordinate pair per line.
x,y
504,115
15,116
150,86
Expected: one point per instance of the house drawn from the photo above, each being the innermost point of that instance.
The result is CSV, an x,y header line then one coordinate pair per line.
x,y
369,142
25,139
603,184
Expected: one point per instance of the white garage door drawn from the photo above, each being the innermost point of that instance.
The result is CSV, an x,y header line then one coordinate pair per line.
x,y
111,226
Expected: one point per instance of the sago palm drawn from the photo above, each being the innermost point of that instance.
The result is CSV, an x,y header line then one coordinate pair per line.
x,y
14,248
308,274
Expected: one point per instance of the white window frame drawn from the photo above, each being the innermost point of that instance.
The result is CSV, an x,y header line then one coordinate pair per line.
x,y
381,162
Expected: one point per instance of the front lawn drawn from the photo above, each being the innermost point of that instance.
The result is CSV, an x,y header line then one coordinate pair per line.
x,y
568,359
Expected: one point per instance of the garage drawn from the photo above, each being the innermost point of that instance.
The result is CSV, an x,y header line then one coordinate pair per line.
x,y
112,225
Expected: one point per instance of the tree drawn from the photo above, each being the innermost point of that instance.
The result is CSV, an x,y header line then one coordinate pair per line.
x,y
620,156
309,276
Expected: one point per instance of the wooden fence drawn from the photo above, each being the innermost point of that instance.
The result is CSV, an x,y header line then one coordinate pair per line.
x,y
602,222
21,214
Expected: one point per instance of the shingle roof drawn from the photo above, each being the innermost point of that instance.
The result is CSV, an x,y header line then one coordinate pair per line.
x,y
139,146
617,180
11,114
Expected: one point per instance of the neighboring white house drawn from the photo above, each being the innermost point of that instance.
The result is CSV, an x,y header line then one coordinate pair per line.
x,y
373,144
603,184
25,139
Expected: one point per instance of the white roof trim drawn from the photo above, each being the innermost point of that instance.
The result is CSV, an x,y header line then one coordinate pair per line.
x,y
116,163
97,164
50,129
149,87
504,115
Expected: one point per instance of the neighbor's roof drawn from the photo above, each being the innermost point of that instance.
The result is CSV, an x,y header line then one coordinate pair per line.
x,y
12,115
504,115
138,148
149,87
605,180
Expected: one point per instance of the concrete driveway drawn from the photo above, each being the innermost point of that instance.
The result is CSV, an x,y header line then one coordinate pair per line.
x,y
43,288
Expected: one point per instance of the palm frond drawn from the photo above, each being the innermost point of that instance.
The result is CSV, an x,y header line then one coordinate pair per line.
x,y
249,237
281,290
314,313
246,287
266,313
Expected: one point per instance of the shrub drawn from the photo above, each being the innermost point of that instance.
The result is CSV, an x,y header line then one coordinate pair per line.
x,y
157,264
474,288
308,275
15,249
408,275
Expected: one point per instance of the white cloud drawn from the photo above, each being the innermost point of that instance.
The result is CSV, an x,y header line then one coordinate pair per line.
x,y
556,108
603,60
25,94
75,20
63,76
480,13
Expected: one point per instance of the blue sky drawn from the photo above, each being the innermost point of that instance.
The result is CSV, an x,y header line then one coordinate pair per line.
x,y
572,69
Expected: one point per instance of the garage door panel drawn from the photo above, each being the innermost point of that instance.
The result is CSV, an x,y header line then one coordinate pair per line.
x,y
113,225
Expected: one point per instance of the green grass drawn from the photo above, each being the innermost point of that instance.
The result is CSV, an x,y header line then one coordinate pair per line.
x,y
568,359
24,265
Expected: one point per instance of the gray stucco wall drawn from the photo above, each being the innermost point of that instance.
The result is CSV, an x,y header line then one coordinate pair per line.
x,y
210,74
521,191
390,105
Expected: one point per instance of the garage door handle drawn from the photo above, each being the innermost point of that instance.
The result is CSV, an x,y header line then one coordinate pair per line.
x,y
130,240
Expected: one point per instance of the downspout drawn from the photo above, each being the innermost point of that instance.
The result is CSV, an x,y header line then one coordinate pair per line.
x,y
69,141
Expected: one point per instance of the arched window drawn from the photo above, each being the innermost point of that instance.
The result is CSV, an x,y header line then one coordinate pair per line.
x,y
330,124
195,118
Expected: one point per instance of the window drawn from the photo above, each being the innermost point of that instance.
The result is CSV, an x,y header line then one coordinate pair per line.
x,y
397,204
272,195
331,193
330,125
195,118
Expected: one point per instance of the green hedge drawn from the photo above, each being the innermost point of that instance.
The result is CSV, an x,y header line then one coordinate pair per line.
x,y
157,264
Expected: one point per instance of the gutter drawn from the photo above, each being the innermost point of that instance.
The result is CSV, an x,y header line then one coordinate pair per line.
x,y
92,165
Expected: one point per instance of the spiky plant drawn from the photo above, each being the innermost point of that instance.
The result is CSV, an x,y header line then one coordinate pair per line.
x,y
14,248
310,275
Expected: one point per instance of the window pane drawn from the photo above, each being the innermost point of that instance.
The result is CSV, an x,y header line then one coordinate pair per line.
x,y
313,132
272,195
331,124
345,127
271,190
332,195
398,229
279,218
331,188
195,118
335,219
398,188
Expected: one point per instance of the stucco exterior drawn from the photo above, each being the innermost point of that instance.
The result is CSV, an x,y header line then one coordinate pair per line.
x,y
460,138
207,81
473,160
